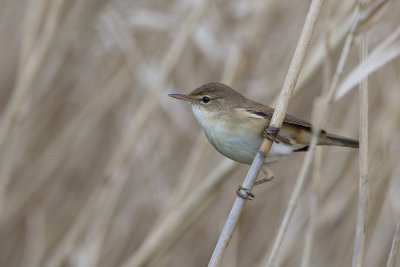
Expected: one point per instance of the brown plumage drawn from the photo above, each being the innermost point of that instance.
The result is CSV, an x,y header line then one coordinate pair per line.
x,y
234,124
293,128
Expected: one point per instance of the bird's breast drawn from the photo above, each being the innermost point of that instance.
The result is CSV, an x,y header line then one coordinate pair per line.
x,y
237,141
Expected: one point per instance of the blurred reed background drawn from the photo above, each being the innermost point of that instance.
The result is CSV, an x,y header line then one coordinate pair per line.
x,y
100,168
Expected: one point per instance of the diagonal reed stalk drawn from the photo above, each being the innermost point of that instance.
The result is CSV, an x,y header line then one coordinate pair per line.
x,y
273,129
327,100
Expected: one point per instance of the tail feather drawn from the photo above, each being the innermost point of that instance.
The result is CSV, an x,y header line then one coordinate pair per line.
x,y
337,140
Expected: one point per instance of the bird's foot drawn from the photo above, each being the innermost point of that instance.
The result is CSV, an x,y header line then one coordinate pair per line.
x,y
248,195
269,136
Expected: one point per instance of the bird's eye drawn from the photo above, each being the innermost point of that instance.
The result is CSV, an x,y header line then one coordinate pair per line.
x,y
205,99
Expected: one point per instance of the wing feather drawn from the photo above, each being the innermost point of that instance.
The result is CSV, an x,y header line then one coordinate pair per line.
x,y
266,112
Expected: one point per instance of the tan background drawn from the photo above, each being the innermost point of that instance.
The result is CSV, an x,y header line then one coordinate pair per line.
x,y
74,76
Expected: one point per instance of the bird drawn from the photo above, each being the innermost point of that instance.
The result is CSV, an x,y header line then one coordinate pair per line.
x,y
236,125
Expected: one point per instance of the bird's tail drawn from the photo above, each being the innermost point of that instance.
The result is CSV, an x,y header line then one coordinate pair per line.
x,y
337,140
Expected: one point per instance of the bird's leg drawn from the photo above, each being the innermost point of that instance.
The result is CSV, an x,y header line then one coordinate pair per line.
x,y
269,176
270,136
248,194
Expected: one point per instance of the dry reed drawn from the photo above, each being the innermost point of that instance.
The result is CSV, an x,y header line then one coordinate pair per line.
x,y
84,95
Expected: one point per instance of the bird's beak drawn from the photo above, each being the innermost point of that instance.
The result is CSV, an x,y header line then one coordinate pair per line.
x,y
180,96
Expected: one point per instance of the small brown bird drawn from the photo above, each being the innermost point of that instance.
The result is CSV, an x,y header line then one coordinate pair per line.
x,y
234,125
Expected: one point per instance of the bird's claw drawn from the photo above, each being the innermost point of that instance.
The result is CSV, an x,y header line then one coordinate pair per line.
x,y
269,136
248,194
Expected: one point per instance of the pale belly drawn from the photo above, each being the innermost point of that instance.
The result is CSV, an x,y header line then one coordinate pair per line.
x,y
238,146
244,148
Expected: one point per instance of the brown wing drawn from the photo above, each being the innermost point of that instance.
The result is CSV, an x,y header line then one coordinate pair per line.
x,y
266,112
290,132
298,136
